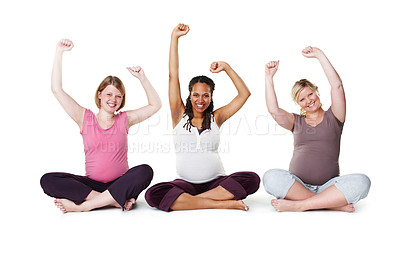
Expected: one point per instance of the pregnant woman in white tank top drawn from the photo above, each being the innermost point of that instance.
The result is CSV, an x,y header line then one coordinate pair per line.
x,y
202,182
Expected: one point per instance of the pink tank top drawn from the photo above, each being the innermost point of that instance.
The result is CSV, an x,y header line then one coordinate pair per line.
x,y
106,150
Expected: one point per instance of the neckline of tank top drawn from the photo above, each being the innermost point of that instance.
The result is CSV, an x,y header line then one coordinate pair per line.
x,y
196,127
105,129
323,119
201,130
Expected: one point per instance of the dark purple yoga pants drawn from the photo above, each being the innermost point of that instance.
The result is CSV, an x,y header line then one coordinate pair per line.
x,y
240,184
76,188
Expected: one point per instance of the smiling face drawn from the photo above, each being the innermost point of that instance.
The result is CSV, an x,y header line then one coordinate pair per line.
x,y
200,97
110,95
308,100
110,99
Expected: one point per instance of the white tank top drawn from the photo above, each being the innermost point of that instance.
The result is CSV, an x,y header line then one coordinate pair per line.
x,y
197,158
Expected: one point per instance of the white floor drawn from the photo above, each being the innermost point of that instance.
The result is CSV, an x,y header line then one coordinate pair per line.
x,y
144,235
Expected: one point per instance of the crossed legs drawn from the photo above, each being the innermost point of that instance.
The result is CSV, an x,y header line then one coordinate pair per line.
x,y
217,198
224,192
93,201
339,193
76,193
301,199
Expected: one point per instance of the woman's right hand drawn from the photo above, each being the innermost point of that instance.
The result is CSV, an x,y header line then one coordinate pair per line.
x,y
64,45
271,68
180,30
174,90
73,109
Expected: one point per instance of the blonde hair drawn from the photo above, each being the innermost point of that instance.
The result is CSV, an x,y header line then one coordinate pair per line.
x,y
116,82
298,87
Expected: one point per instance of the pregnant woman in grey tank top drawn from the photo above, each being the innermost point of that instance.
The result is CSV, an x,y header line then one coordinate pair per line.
x,y
313,180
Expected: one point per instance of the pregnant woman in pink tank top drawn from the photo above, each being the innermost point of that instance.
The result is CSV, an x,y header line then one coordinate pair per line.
x,y
313,180
108,180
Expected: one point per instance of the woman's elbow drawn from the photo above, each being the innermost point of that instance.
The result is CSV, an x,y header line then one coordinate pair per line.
x,y
338,86
158,106
246,95
274,111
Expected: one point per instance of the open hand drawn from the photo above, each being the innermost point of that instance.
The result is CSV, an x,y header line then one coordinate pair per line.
x,y
137,72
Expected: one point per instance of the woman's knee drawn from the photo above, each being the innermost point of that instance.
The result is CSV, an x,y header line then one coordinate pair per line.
x,y
149,196
46,180
163,195
273,178
241,184
365,183
145,172
156,193
355,187
362,183
253,182
140,175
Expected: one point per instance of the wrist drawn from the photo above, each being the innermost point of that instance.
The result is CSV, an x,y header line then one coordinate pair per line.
x,y
320,55
59,52
142,78
226,67
59,55
269,77
175,36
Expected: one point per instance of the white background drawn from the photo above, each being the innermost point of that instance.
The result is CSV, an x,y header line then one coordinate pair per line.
x,y
359,37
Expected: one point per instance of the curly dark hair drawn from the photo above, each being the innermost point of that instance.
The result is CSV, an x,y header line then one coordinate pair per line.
x,y
189,108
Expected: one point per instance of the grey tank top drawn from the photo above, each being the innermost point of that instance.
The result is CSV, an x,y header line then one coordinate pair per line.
x,y
316,149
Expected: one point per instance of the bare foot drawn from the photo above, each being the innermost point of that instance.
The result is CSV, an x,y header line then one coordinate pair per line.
x,y
129,204
237,204
67,206
282,205
345,208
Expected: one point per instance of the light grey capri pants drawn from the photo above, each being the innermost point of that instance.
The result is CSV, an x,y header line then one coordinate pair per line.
x,y
354,187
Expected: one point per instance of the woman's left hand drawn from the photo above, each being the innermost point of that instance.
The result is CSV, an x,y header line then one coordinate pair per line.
x,y
218,66
311,52
137,72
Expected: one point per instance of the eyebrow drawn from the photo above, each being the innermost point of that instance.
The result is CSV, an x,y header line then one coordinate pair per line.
x,y
206,93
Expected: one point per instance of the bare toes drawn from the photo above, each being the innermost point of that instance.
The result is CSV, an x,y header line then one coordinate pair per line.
x,y
243,206
129,204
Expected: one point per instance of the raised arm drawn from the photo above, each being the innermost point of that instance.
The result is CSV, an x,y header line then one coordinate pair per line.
x,y
337,92
154,101
283,118
73,109
175,100
224,113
